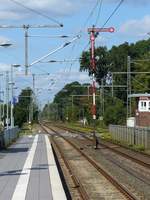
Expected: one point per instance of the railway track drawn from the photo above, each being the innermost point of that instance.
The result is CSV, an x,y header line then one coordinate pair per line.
x,y
127,194
77,183
115,150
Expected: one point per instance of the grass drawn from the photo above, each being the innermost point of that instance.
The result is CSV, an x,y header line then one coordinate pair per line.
x,y
89,129
138,148
105,135
26,130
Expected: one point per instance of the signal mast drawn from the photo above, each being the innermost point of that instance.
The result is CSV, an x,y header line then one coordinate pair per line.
x,y
93,34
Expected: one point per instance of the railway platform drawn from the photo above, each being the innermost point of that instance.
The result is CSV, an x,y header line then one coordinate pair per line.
x,y
28,171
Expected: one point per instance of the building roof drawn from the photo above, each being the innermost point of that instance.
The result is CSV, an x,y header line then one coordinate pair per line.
x,y
139,95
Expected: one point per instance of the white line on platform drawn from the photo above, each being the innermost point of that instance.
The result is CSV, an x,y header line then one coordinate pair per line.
x,y
22,184
56,184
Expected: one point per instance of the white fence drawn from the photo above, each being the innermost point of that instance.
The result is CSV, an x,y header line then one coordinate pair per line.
x,y
132,136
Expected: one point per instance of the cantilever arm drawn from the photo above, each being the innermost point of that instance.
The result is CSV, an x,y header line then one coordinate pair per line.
x,y
54,51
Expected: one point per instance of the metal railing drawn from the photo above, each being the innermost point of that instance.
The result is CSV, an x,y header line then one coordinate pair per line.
x,y
132,136
8,136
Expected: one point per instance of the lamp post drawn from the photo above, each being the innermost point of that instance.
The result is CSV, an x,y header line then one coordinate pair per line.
x,y
1,98
7,99
12,94
2,106
5,45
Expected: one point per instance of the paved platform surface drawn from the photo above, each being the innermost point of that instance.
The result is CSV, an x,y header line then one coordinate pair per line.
x,y
28,171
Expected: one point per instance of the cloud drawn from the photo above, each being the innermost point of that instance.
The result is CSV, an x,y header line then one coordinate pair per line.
x,y
57,8
71,76
60,79
4,15
4,40
136,27
12,10
4,67
101,40
43,83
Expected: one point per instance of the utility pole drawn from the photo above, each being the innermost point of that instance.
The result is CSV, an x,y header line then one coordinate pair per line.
x,y
93,34
7,99
3,107
1,98
103,98
33,79
129,106
112,85
72,106
12,96
26,28
26,50
88,88
102,106
33,97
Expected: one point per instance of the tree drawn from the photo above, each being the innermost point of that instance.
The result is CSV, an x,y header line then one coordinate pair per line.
x,y
23,107
115,60
65,100
141,82
71,106
115,112
102,63
68,104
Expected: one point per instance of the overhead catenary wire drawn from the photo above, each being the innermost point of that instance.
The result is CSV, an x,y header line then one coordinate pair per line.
x,y
37,12
88,18
65,70
99,2
41,69
82,30
141,84
100,8
91,13
99,11
54,51
27,81
51,36
112,14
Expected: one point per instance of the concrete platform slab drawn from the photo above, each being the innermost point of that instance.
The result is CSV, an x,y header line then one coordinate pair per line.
x,y
28,171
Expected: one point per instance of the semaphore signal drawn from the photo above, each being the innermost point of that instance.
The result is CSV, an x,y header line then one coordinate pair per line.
x,y
93,34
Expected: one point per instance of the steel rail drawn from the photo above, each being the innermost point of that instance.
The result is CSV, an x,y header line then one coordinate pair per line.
x,y
76,181
125,155
111,179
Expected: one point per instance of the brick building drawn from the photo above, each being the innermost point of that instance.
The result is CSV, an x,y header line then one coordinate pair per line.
x,y
142,113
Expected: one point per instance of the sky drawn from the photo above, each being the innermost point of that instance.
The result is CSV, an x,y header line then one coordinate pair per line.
x,y
131,23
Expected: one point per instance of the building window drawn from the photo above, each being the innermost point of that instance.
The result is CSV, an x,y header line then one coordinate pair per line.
x,y
143,106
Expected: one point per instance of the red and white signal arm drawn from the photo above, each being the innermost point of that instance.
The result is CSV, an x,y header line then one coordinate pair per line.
x,y
111,29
